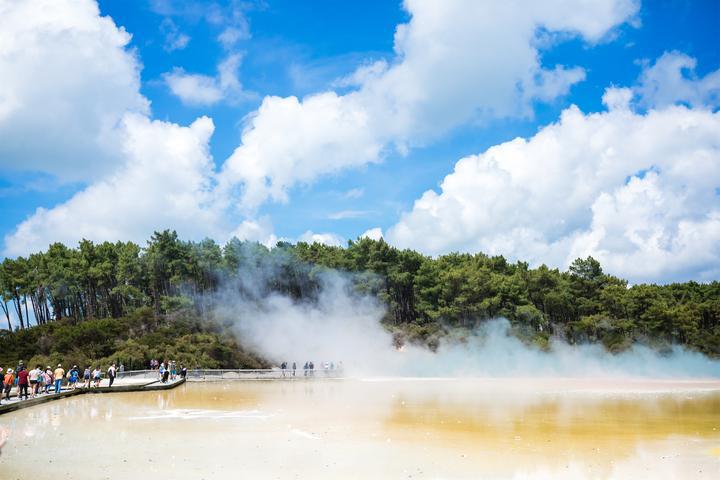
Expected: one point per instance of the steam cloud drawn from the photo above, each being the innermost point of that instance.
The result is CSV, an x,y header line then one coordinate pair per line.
x,y
339,325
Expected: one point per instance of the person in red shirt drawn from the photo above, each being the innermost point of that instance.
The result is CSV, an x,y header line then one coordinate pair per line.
x,y
22,383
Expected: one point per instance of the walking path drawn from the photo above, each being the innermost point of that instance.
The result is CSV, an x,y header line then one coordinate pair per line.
x,y
127,384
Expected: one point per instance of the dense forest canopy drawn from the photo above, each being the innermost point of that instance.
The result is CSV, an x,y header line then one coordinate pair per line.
x,y
144,288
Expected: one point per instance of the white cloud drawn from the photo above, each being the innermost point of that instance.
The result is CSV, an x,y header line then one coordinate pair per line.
x,y
448,71
174,38
66,81
354,193
230,17
196,89
672,79
637,191
343,214
289,141
164,182
373,234
324,238
162,175
256,230
232,35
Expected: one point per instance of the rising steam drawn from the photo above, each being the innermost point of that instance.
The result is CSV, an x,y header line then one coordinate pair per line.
x,y
339,325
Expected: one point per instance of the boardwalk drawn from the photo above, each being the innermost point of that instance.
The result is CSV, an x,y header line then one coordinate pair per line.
x,y
208,375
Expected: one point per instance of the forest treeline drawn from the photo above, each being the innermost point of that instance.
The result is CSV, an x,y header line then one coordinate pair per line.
x,y
425,297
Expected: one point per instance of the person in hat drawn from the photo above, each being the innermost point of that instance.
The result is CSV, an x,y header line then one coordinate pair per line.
x,y
74,374
8,382
59,374
49,378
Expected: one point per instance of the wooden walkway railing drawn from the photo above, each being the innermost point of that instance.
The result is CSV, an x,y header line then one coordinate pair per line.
x,y
205,374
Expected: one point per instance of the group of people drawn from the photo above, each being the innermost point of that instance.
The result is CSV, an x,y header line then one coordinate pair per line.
x,y
167,370
309,368
39,381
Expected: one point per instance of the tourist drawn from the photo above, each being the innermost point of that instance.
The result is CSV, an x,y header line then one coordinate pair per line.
x,y
111,374
183,371
23,383
166,373
34,376
294,368
311,366
305,369
97,376
161,371
173,370
122,368
86,378
73,374
283,366
59,374
48,378
8,382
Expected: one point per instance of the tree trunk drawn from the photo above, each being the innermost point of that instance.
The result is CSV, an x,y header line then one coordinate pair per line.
x,y
18,310
27,316
6,310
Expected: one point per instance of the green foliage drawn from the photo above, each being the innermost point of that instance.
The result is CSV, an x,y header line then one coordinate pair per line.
x,y
104,341
155,300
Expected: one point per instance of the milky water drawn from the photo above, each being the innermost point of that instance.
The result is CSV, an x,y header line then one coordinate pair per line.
x,y
375,428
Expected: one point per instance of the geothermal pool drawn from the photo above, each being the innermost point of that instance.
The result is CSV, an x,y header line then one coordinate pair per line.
x,y
375,428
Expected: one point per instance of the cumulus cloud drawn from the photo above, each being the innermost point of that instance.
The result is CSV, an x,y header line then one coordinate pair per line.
x,y
164,182
406,102
67,81
288,141
162,174
672,79
637,191
196,89
324,238
256,230
373,234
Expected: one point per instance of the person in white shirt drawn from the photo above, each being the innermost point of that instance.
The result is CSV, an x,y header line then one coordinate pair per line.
x,y
111,374
34,377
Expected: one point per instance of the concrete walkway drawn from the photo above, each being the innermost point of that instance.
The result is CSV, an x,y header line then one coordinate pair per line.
x,y
120,385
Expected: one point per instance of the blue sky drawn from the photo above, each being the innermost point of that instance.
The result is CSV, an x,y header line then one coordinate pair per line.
x,y
301,48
